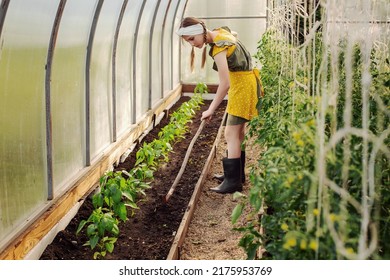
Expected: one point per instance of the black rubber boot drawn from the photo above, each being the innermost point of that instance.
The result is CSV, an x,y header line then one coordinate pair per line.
x,y
220,177
232,174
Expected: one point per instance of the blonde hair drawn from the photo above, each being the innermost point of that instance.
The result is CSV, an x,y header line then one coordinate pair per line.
x,y
188,21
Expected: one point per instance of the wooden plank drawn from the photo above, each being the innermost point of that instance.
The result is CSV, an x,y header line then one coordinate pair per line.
x,y
22,244
174,252
191,87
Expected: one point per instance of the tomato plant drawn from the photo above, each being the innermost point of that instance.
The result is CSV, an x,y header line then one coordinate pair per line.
x,y
311,182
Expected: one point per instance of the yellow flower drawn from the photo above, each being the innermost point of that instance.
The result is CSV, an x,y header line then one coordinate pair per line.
x,y
290,179
311,122
316,212
296,135
290,242
350,250
333,217
284,227
300,143
313,245
303,244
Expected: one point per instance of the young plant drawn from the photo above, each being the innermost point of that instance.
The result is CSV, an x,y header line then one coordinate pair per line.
x,y
102,231
201,88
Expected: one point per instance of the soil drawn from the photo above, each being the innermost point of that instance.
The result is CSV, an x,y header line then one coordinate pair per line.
x,y
149,233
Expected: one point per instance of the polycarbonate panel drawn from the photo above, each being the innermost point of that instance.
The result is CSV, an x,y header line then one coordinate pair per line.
x,y
101,114
382,10
351,22
176,70
226,8
23,172
348,11
123,71
142,56
68,90
167,45
161,47
125,66
157,88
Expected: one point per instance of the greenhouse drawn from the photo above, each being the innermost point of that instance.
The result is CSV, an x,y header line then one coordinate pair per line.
x,y
106,153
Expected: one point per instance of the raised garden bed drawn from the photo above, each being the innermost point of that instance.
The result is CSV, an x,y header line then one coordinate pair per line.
x,y
150,233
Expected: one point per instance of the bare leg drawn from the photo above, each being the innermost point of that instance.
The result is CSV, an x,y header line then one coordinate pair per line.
x,y
234,135
232,166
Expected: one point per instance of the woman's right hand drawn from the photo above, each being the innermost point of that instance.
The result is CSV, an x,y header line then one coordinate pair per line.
x,y
206,115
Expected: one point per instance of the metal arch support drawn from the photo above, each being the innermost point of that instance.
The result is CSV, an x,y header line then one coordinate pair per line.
x,y
3,11
172,31
162,48
114,49
134,115
88,84
151,54
48,68
181,18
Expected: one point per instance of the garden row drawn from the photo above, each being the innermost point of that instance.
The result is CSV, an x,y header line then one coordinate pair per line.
x,y
151,225
120,191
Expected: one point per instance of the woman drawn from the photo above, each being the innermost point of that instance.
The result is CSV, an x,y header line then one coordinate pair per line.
x,y
239,81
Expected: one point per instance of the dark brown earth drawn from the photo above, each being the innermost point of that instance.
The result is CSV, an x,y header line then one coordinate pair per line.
x,y
149,234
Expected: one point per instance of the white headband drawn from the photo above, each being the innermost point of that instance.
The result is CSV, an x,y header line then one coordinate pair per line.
x,y
190,30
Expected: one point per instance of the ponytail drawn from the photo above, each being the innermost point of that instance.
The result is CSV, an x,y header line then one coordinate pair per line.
x,y
204,56
192,59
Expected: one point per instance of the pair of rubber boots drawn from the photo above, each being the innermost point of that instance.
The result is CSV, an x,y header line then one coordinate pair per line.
x,y
233,175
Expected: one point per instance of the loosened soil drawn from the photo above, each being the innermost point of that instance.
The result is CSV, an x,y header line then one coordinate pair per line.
x,y
149,233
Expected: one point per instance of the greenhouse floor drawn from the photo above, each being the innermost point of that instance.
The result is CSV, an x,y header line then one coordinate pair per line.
x,y
210,235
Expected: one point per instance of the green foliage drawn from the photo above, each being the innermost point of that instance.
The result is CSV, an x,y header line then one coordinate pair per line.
x,y
120,191
102,231
201,88
286,178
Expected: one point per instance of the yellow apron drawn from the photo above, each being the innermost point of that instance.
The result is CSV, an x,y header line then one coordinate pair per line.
x,y
244,92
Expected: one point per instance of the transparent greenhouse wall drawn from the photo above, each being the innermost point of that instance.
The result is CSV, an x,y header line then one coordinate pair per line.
x,y
175,50
155,63
248,20
101,111
68,90
168,41
75,76
22,121
123,101
125,72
